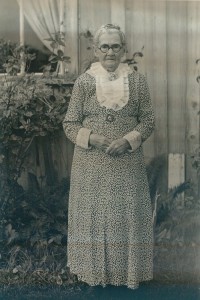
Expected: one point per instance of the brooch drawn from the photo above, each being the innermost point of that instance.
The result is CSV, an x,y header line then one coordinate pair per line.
x,y
112,76
110,118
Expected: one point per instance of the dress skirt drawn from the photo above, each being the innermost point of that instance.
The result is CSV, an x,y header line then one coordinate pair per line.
x,y
110,237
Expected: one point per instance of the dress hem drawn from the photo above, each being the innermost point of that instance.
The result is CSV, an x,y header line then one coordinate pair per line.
x,y
109,282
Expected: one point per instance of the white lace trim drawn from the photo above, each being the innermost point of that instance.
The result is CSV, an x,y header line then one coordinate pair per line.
x,y
134,139
82,139
112,88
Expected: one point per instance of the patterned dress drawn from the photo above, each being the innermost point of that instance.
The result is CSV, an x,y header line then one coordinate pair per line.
x,y
110,239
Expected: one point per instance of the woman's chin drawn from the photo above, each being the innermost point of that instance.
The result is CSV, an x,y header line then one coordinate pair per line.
x,y
111,65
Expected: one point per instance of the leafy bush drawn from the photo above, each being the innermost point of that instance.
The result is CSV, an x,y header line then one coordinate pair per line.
x,y
28,108
35,215
177,242
34,226
6,49
176,227
19,55
33,223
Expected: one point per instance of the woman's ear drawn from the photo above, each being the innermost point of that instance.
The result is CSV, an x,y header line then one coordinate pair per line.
x,y
123,57
125,50
95,51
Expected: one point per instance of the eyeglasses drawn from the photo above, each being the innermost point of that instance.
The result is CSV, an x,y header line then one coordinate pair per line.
x,y
115,48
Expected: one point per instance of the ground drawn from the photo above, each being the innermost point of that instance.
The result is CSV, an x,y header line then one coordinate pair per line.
x,y
147,291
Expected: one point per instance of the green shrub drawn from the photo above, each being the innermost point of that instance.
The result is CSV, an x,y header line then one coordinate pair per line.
x,y
176,215
34,226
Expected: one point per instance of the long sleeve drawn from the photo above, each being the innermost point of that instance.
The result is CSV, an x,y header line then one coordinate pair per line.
x,y
72,123
146,116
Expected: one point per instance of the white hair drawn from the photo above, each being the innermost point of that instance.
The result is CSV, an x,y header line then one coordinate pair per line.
x,y
109,28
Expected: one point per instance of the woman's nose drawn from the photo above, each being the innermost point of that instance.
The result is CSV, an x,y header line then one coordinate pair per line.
x,y
110,51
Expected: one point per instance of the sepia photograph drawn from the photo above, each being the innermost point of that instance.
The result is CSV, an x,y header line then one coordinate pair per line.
x,y
99,149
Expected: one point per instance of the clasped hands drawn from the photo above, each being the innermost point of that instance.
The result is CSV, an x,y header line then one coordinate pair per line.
x,y
114,148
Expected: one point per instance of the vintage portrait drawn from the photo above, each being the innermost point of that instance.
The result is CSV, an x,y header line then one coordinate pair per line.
x,y
100,149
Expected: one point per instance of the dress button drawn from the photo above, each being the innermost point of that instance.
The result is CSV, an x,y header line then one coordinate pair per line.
x,y
110,118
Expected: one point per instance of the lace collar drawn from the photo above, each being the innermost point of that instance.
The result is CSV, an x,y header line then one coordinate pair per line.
x,y
112,88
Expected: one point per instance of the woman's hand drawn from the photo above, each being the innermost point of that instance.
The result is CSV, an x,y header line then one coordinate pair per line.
x,y
118,147
99,141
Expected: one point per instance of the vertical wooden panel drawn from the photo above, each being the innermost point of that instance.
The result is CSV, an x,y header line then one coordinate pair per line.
x,y
50,172
118,13
149,147
193,88
135,31
160,78
146,26
71,29
118,8
36,164
62,157
92,15
176,74
156,69
59,157
137,38
176,170
32,165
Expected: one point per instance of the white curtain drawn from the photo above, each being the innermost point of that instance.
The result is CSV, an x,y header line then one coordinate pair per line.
x,y
43,16
49,16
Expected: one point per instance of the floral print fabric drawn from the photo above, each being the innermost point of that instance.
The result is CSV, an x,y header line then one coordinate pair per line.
x,y
110,238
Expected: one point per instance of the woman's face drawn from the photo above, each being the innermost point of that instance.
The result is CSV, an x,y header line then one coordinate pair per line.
x,y
109,60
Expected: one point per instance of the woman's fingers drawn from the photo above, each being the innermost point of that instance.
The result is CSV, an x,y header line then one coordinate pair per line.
x,y
99,141
117,147
113,149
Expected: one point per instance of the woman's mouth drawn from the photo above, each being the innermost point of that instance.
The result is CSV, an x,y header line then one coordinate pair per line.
x,y
110,58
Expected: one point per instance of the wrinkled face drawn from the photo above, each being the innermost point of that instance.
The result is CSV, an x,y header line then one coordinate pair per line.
x,y
110,60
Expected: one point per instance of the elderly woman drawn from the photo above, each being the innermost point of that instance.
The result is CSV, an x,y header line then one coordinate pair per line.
x,y
109,117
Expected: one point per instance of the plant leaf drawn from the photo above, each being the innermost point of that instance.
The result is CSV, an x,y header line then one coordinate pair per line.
x,y
54,45
61,43
60,53
66,58
52,56
55,60
50,39
140,54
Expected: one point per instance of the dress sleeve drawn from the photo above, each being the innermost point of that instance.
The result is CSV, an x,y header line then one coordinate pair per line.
x,y
146,118
72,123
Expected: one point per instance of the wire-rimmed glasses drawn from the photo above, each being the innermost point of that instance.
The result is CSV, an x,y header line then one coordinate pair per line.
x,y
115,48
